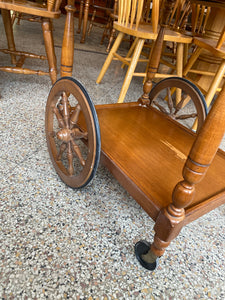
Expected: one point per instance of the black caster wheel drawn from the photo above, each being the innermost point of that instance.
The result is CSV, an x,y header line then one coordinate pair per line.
x,y
72,132
141,249
180,100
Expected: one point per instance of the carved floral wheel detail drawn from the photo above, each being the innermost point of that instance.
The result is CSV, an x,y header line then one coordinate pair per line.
x,y
72,132
180,100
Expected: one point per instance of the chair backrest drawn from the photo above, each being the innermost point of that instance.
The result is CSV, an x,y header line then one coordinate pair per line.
x,y
134,12
200,15
178,17
115,7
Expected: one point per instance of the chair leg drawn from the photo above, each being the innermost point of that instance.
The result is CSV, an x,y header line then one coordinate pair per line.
x,y
215,83
105,32
131,69
131,50
111,38
91,22
192,60
9,33
213,87
186,49
110,57
49,48
80,16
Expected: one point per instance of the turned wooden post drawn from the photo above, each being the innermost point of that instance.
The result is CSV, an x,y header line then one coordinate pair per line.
x,y
49,48
170,219
68,41
156,52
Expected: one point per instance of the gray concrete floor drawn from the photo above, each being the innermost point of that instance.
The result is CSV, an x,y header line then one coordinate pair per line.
x,y
60,243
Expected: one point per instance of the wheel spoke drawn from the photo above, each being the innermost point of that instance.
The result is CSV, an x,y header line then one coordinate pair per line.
x,y
66,112
75,115
180,104
70,159
61,150
59,117
187,116
78,134
160,107
170,101
76,149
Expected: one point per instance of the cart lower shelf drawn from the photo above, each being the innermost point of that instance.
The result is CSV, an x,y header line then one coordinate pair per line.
x,y
146,152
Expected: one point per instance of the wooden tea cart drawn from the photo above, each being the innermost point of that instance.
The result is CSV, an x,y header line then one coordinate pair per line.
x,y
175,174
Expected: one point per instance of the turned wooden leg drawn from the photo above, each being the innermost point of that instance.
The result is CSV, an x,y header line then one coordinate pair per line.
x,y
85,20
153,66
179,67
68,42
170,220
9,32
110,57
49,48
80,15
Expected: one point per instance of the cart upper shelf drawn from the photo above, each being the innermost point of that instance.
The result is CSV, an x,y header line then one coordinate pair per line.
x,y
146,152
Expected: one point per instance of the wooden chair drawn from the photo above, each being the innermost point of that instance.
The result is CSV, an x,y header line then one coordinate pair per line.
x,y
46,14
101,6
207,49
18,16
172,61
109,30
143,26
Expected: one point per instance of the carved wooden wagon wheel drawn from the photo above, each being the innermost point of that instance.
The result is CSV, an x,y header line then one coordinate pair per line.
x,y
181,100
72,132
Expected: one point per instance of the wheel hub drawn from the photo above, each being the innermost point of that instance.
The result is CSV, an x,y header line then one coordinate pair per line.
x,y
64,135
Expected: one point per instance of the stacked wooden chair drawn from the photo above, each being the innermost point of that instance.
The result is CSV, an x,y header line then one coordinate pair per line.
x,y
140,19
209,49
45,14
101,6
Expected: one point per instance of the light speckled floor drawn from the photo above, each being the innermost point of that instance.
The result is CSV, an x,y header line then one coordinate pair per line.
x,y
59,243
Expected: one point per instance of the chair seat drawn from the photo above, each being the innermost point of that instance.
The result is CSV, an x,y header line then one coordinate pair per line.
x,y
210,45
28,7
146,32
